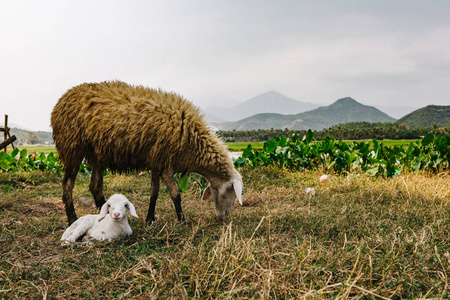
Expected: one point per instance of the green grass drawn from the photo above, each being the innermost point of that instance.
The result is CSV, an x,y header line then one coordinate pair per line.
x,y
392,143
242,146
402,143
36,148
357,237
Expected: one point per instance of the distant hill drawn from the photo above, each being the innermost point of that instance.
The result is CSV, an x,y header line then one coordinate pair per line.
x,y
209,118
13,125
269,102
342,111
25,137
427,117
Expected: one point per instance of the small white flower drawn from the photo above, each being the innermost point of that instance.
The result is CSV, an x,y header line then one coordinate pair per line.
x,y
324,179
311,191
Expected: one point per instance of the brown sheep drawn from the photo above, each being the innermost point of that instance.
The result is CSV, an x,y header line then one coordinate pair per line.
x,y
124,127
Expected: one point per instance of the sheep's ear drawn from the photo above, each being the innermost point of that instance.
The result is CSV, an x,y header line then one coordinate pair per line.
x,y
207,193
132,210
103,211
237,186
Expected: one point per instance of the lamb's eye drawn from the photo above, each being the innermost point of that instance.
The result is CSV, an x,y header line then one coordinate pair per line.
x,y
109,205
126,205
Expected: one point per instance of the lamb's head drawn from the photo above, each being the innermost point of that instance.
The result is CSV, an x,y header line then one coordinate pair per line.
x,y
117,206
224,193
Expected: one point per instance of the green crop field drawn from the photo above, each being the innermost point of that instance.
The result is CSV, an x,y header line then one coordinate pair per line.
x,y
259,145
242,146
36,149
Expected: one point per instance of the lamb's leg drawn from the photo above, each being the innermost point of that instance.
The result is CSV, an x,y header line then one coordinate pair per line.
x,y
77,229
96,186
174,194
68,182
153,197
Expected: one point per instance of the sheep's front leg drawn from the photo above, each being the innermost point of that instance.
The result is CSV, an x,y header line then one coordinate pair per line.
x,y
68,182
153,197
174,194
96,186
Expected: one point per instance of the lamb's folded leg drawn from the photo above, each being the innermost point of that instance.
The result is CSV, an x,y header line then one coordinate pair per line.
x,y
77,229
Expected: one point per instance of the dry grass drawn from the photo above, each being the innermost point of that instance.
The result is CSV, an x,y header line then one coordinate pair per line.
x,y
358,237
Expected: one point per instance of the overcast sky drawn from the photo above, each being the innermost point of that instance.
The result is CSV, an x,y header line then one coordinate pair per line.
x,y
225,52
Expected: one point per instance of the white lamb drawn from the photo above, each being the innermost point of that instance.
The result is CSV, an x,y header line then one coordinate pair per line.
x,y
111,223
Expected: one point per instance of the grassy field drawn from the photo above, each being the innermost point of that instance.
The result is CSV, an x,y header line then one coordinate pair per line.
x,y
357,237
242,146
399,143
36,148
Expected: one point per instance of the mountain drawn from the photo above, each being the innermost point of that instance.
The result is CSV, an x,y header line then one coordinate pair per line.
x,y
14,125
26,137
269,102
427,117
342,111
211,119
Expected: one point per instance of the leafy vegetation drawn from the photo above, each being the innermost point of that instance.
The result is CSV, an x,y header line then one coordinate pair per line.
x,y
21,160
432,153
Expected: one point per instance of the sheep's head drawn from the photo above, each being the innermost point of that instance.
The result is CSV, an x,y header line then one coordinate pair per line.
x,y
117,206
224,193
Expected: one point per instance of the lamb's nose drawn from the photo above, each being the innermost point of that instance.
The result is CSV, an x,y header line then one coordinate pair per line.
x,y
116,215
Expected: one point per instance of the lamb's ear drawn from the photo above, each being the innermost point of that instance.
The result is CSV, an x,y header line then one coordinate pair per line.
x,y
103,211
132,210
207,193
237,186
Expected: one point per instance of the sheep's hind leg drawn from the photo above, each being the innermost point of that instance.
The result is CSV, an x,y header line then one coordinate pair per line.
x,y
96,186
153,197
68,182
174,194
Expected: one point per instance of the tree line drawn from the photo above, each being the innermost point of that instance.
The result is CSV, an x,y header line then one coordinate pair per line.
x,y
347,131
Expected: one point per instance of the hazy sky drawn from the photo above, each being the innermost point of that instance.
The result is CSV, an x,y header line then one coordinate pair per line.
x,y
224,52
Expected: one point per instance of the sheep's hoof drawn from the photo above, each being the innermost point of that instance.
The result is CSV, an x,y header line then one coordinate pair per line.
x,y
150,221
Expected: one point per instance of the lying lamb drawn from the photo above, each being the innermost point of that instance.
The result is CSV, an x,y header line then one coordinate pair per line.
x,y
111,223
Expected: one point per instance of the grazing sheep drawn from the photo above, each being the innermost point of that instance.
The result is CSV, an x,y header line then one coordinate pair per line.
x,y
111,223
124,127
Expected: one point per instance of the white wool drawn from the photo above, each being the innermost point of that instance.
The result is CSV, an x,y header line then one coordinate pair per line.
x,y
111,223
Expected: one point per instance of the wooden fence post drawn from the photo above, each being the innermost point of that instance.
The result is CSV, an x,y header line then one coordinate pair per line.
x,y
6,130
6,140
